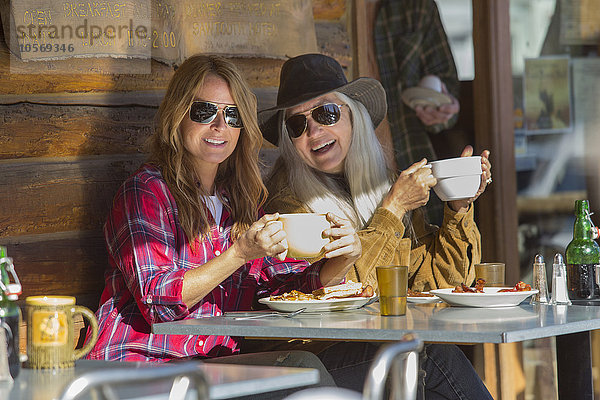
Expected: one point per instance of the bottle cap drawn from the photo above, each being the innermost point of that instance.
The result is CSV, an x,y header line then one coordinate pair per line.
x,y
14,289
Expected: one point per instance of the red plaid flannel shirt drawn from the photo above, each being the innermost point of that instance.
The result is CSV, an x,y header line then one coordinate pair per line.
x,y
148,256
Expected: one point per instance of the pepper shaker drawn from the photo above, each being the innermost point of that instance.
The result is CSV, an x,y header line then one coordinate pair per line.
x,y
539,281
559,281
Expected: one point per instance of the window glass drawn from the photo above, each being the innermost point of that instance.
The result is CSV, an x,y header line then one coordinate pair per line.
x,y
457,18
556,75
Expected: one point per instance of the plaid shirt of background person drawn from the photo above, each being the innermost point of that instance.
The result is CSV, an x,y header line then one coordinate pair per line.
x,y
410,42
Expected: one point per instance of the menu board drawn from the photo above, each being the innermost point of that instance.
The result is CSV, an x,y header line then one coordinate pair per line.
x,y
166,30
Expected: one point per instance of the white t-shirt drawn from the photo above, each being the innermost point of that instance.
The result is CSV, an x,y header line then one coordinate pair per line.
x,y
215,206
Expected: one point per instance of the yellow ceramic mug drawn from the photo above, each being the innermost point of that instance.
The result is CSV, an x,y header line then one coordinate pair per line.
x,y
50,331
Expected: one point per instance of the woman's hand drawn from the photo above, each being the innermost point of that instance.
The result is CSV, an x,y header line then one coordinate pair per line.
x,y
438,115
265,237
486,179
341,252
411,189
344,239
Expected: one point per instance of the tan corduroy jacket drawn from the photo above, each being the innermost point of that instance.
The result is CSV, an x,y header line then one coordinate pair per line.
x,y
437,257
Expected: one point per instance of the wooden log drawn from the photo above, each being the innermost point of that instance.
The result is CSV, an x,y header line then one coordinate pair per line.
x,y
110,75
107,74
60,194
333,40
66,263
329,9
36,130
31,130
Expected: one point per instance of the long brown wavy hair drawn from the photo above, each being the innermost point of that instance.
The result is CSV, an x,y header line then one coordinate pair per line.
x,y
238,176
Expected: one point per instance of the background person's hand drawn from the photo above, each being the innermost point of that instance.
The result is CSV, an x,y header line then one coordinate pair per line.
x,y
265,237
486,178
438,115
411,189
344,239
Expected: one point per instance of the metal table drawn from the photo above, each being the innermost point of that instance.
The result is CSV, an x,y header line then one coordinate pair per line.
x,y
225,380
433,323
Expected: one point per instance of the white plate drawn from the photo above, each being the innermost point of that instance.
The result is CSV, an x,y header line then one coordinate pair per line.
x,y
420,96
491,297
423,300
349,303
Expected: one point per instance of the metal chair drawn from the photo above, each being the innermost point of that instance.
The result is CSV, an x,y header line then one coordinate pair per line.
x,y
185,375
397,361
400,362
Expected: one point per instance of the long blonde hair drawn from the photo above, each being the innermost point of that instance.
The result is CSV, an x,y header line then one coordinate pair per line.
x,y
366,174
238,176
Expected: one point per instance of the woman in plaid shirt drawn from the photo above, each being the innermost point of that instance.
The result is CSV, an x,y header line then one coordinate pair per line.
x,y
186,236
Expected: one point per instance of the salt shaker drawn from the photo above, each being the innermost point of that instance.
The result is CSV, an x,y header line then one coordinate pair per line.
x,y
559,281
539,280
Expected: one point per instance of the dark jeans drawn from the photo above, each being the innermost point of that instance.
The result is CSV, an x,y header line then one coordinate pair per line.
x,y
444,370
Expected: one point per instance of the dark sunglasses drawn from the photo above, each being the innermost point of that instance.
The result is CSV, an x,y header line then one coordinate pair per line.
x,y
326,114
205,112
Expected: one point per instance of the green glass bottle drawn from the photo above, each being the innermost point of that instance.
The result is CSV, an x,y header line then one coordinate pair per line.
x,y
10,313
583,256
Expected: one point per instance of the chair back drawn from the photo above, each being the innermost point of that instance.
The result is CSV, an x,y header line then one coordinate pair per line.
x,y
185,375
400,362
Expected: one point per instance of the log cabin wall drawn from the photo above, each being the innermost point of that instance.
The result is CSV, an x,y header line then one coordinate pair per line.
x,y
67,141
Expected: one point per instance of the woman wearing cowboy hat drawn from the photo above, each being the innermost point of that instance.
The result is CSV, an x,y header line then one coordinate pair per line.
x,y
331,161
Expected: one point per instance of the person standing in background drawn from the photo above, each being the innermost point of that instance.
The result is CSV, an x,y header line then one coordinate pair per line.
x,y
410,43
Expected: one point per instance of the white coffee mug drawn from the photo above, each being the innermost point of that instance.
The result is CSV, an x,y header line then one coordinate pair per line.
x,y
305,233
431,82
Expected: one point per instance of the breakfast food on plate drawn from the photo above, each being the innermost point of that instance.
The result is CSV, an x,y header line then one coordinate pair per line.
x,y
294,295
519,287
348,289
416,293
465,289
344,290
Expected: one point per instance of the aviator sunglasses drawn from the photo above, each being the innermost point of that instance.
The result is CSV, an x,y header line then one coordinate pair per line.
x,y
205,112
326,114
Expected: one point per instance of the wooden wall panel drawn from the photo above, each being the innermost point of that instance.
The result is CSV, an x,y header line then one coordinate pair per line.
x,y
68,140
333,40
69,263
33,130
40,77
329,9
109,74
59,194
112,75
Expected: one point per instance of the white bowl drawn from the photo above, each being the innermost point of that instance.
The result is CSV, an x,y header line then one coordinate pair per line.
x,y
457,187
492,297
459,166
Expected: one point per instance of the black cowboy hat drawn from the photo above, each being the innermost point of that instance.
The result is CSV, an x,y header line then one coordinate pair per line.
x,y
309,76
